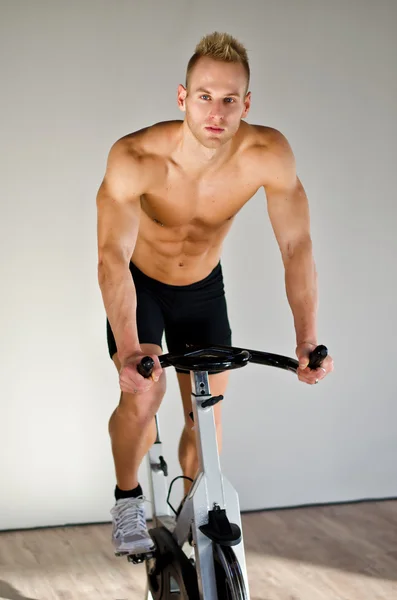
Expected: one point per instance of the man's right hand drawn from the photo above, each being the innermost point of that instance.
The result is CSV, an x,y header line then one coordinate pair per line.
x,y
131,381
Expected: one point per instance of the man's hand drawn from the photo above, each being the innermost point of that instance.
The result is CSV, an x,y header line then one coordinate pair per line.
x,y
308,375
131,381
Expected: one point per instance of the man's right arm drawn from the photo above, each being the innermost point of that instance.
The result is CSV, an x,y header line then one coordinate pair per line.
x,y
118,216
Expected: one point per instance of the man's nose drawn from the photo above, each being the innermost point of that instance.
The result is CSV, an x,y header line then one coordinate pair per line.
x,y
217,110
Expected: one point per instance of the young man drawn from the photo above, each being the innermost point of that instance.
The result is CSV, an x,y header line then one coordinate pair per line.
x,y
167,201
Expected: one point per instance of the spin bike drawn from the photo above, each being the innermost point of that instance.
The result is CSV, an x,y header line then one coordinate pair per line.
x,y
208,519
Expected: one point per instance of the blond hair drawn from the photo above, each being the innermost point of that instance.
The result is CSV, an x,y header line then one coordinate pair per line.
x,y
219,46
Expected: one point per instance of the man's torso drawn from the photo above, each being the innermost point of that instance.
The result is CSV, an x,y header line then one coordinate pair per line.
x,y
187,211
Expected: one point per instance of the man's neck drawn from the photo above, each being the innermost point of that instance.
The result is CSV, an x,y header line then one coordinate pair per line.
x,y
194,157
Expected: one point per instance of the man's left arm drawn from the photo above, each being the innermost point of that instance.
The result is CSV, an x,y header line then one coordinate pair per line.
x,y
288,210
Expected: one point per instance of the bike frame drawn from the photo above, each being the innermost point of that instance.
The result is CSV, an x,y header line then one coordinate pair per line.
x,y
209,489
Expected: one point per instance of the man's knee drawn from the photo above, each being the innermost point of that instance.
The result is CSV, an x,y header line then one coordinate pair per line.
x,y
142,407
145,405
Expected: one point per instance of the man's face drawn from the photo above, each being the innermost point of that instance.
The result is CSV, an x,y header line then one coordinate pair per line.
x,y
215,101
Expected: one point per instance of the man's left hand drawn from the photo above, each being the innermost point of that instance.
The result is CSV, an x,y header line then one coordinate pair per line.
x,y
308,375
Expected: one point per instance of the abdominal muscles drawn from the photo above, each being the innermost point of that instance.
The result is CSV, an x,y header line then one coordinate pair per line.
x,y
179,255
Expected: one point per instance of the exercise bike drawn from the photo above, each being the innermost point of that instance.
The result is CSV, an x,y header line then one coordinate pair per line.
x,y
208,519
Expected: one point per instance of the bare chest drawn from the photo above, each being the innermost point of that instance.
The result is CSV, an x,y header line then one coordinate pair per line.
x,y
208,202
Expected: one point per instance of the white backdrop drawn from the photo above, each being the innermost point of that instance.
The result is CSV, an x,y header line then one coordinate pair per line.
x,y
77,76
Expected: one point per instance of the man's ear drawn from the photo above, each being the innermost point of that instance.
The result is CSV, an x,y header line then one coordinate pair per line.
x,y
181,97
247,104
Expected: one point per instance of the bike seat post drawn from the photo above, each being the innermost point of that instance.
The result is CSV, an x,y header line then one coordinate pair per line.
x,y
207,491
200,383
207,445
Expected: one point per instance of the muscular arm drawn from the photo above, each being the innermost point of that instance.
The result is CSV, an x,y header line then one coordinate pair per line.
x,y
289,215
118,215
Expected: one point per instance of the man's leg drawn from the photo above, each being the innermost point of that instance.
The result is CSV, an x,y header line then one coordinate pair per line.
x,y
187,447
132,426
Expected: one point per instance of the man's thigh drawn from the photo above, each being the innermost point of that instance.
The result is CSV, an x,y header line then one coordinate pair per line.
x,y
218,385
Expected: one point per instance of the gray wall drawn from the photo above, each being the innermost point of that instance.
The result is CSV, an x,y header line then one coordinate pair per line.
x,y
76,77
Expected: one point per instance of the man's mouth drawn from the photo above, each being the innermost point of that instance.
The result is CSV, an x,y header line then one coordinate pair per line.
x,y
214,129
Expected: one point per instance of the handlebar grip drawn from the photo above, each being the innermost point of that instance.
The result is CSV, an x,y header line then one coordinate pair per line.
x,y
317,356
145,367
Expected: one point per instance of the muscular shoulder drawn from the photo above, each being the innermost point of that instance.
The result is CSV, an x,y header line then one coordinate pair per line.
x,y
137,159
152,141
266,141
271,154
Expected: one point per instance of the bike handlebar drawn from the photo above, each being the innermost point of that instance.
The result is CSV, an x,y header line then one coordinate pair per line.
x,y
217,358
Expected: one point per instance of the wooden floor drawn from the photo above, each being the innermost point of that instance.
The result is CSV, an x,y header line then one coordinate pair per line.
x,y
342,552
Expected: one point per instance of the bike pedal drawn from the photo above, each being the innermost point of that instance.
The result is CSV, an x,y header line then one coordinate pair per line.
x,y
137,559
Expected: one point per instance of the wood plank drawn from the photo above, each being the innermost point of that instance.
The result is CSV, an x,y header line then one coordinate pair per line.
x,y
339,552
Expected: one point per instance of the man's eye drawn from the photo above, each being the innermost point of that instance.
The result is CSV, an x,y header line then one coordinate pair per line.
x,y
229,100
204,96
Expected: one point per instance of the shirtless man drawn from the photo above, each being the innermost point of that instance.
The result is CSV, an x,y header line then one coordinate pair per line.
x,y
167,201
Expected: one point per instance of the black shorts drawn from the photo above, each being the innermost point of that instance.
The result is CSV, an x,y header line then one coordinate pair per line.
x,y
188,314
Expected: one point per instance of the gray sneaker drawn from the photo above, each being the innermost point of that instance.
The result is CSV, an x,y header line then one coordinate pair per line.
x,y
130,534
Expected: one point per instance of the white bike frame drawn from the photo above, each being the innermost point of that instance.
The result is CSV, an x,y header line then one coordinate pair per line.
x,y
209,490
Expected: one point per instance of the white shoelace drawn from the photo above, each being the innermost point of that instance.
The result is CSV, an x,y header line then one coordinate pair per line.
x,y
130,516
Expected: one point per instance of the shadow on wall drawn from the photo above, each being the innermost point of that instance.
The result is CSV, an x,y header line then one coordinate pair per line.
x,y
8,592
